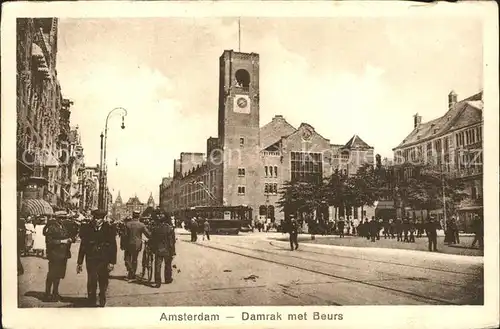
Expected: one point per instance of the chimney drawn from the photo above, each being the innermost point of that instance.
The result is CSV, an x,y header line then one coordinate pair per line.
x,y
417,120
452,100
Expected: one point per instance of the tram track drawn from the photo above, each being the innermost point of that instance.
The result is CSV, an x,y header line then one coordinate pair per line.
x,y
382,261
414,295
346,266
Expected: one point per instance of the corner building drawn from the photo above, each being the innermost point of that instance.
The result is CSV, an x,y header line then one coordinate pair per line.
x,y
248,164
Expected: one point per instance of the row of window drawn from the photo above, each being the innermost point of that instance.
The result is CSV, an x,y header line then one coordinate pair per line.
x,y
306,166
271,188
270,170
469,136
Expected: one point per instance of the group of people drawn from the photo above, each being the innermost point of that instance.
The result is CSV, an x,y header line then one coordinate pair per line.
x,y
194,227
160,239
404,230
98,248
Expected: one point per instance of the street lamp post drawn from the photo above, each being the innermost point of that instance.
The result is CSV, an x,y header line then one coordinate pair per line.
x,y
103,203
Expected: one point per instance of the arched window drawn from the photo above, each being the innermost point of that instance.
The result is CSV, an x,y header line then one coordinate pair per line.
x,y
242,78
262,210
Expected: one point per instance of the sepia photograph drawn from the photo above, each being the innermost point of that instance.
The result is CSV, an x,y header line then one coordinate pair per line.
x,y
246,160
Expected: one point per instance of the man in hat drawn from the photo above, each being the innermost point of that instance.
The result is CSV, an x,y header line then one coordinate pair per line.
x,y
193,227
134,229
98,247
293,230
58,240
431,229
163,243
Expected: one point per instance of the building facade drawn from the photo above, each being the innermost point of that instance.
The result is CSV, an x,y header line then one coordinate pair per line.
x,y
454,144
247,164
43,116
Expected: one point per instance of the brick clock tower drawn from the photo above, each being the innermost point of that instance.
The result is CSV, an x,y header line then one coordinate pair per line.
x,y
239,128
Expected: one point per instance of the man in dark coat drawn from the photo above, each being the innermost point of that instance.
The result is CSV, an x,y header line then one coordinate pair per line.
x,y
98,247
431,230
134,229
163,243
340,226
293,230
58,240
193,227
398,225
374,229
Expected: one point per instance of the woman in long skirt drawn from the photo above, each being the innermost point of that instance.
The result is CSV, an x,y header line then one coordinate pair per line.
x,y
30,231
39,239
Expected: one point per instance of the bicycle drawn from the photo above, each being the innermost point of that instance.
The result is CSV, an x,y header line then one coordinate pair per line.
x,y
147,262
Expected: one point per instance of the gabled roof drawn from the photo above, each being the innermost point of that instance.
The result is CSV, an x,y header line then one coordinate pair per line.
x,y
356,143
274,130
134,200
453,119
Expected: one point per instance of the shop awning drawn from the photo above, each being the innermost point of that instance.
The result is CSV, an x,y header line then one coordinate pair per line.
x,y
36,207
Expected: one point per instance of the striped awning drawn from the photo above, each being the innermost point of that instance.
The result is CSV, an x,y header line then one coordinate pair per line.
x,y
36,207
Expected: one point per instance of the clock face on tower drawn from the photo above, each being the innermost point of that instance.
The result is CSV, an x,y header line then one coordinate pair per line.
x,y
241,104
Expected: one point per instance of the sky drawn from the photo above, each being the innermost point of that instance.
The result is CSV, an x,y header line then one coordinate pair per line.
x,y
343,76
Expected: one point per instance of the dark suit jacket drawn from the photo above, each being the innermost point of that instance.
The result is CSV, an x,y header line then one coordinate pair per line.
x,y
163,239
97,245
133,232
54,232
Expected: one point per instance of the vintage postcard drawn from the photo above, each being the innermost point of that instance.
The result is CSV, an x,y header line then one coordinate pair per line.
x,y
263,164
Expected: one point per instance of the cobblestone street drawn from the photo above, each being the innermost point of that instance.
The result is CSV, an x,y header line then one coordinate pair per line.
x,y
252,269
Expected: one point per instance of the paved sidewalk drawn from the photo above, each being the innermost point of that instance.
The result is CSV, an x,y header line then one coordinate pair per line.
x,y
420,245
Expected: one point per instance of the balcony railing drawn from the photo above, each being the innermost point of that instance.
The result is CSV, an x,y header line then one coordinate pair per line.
x,y
466,172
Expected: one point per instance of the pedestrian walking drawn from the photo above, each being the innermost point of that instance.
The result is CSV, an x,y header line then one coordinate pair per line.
x,y
206,229
431,231
387,228
133,245
98,249
398,224
123,243
293,230
340,227
58,240
163,243
39,239
478,229
30,232
374,229
406,229
355,224
411,229
193,227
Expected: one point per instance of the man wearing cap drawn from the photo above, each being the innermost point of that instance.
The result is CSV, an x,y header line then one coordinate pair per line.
x,y
293,231
134,229
58,241
163,243
98,247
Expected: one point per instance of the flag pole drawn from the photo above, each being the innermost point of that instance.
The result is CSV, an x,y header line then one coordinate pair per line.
x,y
239,34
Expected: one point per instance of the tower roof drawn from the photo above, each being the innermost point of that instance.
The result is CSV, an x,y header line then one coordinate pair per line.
x,y
356,143
119,198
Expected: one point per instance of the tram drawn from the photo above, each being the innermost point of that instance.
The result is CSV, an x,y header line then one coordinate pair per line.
x,y
222,219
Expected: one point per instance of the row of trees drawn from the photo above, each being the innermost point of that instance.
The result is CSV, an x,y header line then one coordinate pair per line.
x,y
420,187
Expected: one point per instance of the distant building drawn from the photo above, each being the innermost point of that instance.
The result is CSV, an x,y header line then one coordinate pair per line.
x,y
134,204
452,143
248,164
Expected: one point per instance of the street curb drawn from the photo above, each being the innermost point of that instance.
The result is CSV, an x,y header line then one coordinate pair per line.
x,y
399,252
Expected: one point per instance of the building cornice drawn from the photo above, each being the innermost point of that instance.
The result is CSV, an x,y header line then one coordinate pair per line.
x,y
428,139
